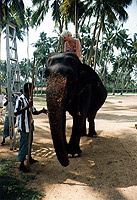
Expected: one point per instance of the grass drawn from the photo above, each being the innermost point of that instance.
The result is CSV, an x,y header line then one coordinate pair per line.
x,y
118,96
40,100
11,187
108,102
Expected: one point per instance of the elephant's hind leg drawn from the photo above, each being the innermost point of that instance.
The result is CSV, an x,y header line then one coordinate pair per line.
x,y
83,131
92,132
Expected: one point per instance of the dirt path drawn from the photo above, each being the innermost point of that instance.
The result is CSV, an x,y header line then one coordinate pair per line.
x,y
107,169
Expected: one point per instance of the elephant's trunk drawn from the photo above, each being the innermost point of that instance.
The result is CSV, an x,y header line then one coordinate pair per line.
x,y
56,85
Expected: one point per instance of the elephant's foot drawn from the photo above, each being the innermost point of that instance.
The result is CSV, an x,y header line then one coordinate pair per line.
x,y
83,134
74,153
92,134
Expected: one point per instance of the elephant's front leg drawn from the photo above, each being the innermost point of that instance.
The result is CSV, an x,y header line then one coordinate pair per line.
x,y
74,148
63,131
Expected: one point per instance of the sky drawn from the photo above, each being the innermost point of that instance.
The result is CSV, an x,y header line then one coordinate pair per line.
x,y
47,26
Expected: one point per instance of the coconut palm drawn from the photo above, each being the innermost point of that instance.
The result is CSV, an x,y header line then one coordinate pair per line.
x,y
45,46
41,11
11,11
43,7
125,62
107,10
73,11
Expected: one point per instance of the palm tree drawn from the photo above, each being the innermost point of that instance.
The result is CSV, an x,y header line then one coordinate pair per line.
x,y
41,11
43,7
108,10
58,18
72,11
122,67
45,45
13,11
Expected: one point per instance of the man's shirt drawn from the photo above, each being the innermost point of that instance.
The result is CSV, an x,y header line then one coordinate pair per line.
x,y
23,119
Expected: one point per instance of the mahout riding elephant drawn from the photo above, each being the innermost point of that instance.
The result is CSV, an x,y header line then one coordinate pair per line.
x,y
76,88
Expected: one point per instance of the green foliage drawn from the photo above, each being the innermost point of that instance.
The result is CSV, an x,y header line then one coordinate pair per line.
x,y
45,46
13,11
13,188
116,69
85,32
3,69
39,14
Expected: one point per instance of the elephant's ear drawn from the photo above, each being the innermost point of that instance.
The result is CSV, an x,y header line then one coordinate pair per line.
x,y
88,75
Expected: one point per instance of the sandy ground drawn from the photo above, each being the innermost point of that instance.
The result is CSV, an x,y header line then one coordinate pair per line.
x,y
107,168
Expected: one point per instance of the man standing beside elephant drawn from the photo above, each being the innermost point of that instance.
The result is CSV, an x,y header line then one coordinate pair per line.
x,y
22,110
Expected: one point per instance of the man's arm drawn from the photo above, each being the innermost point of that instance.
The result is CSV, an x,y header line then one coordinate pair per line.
x,y
78,49
36,112
78,46
65,47
18,112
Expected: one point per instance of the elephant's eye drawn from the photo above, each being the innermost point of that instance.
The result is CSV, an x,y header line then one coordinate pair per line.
x,y
59,100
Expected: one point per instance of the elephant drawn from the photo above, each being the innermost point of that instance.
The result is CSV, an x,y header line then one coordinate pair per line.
x,y
76,88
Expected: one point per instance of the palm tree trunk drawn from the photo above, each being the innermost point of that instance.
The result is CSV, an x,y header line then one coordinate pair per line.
x,y
42,80
76,18
95,59
61,27
27,52
122,84
0,36
101,51
93,39
117,78
0,54
57,49
0,25
0,39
